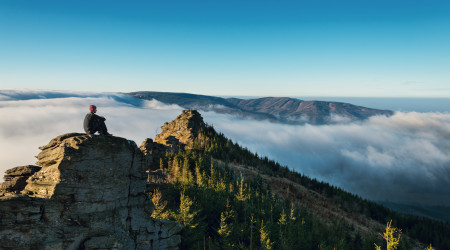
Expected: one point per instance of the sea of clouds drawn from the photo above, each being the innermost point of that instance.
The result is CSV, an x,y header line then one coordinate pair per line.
x,y
403,158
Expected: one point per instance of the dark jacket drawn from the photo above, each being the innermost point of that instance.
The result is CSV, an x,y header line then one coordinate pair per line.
x,y
92,122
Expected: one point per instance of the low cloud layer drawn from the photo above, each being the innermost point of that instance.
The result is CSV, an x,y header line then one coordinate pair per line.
x,y
402,158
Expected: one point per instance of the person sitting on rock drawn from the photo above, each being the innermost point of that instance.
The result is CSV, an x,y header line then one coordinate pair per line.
x,y
94,123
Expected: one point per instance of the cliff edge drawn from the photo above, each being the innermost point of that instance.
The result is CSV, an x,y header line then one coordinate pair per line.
x,y
86,193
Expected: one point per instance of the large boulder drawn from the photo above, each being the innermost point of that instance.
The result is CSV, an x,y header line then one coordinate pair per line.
x,y
88,194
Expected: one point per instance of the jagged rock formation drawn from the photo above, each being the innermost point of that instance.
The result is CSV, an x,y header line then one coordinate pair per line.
x,y
16,179
182,131
89,194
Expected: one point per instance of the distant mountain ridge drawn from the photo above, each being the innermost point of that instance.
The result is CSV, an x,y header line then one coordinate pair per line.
x,y
278,109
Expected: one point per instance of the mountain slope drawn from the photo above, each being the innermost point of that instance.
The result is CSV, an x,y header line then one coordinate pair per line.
x,y
316,112
280,109
230,186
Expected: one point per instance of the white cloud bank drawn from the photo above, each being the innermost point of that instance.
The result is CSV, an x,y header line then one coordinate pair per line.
x,y
402,158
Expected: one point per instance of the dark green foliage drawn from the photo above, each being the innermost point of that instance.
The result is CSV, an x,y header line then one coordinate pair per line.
x,y
226,210
230,213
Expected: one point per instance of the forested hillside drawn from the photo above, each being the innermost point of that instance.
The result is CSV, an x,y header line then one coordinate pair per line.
x,y
229,197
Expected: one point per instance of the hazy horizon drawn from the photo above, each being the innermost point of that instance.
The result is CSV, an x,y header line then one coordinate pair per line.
x,y
418,104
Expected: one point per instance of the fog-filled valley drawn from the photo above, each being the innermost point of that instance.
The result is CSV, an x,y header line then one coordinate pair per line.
x,y
404,158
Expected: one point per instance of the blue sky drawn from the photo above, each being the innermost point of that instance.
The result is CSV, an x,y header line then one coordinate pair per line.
x,y
249,48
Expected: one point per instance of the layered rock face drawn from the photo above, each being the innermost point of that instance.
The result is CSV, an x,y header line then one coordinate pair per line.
x,y
183,130
88,194
16,179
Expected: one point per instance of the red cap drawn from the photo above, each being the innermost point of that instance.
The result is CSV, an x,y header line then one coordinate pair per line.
x,y
92,108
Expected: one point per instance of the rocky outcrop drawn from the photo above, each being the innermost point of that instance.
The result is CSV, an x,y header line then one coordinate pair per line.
x,y
16,179
182,131
153,151
88,194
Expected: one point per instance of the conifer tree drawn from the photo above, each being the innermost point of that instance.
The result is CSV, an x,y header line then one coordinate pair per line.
x,y
292,214
226,224
392,241
175,171
190,178
198,175
429,247
185,171
264,239
159,206
161,163
282,221
252,222
242,192
204,179
186,214
212,178
224,228
221,185
283,218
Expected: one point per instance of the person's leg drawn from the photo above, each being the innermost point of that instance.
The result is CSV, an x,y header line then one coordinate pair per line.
x,y
99,126
95,126
102,128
